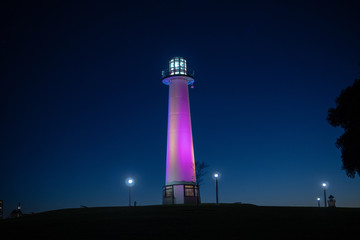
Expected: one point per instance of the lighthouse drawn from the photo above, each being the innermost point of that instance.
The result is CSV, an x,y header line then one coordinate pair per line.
x,y
180,183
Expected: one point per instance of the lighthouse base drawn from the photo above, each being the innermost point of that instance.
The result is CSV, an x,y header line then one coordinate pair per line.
x,y
181,194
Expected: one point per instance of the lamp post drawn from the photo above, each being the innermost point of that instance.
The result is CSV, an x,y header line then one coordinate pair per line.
x,y
318,201
130,182
324,185
216,176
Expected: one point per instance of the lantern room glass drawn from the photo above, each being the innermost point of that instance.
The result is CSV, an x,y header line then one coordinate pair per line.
x,y
177,66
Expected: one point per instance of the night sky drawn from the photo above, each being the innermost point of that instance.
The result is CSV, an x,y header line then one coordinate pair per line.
x,y
83,106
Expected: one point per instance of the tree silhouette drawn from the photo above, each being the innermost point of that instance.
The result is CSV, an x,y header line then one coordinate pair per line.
x,y
200,171
346,114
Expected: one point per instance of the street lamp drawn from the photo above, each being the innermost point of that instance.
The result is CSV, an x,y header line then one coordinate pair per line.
x,y
324,186
216,176
318,201
130,182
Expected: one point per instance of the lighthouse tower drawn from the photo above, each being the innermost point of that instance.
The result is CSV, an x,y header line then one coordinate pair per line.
x,y
180,186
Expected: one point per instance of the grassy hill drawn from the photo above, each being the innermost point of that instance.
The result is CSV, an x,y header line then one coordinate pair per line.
x,y
227,221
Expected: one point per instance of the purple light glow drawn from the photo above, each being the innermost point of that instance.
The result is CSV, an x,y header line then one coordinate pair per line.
x,y
180,165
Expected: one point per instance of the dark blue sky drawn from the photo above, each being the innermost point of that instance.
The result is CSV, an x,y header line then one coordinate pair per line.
x,y
83,106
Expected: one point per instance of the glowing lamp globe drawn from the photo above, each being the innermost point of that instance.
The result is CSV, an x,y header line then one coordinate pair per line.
x,y
129,182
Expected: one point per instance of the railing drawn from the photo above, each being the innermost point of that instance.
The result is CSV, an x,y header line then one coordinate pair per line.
x,y
189,72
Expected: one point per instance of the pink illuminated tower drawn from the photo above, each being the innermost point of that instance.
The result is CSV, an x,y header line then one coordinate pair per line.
x,y
180,186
